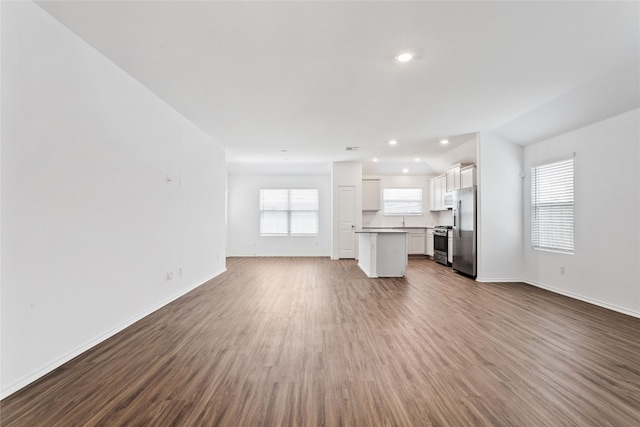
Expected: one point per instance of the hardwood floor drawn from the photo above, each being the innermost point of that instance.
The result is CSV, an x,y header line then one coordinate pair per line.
x,y
312,342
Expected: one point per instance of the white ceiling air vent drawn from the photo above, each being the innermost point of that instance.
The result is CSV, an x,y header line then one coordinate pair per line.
x,y
353,148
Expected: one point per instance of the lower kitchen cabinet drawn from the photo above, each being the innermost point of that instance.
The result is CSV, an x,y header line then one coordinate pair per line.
x,y
429,246
416,242
450,247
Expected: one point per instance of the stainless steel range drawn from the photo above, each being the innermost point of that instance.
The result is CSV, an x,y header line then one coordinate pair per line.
x,y
441,244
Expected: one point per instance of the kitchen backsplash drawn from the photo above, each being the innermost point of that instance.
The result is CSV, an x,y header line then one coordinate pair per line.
x,y
427,219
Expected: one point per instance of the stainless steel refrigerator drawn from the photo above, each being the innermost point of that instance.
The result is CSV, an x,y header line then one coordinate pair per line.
x,y
464,231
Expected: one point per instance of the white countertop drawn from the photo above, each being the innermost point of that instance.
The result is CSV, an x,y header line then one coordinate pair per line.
x,y
396,228
381,230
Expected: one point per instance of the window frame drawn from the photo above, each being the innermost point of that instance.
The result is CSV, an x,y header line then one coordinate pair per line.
x,y
406,213
552,222
290,213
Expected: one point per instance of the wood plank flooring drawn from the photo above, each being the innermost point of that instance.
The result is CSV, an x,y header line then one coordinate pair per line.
x,y
314,342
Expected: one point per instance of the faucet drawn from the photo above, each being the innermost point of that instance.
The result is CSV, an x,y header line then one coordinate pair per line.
x,y
403,221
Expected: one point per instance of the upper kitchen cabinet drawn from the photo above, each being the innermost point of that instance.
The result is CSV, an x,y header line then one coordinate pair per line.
x,y
468,176
438,192
371,195
442,187
459,176
453,178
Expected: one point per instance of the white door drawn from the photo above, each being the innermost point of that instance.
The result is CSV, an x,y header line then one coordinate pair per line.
x,y
347,220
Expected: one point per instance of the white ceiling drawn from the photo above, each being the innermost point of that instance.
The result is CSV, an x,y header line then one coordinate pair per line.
x,y
315,77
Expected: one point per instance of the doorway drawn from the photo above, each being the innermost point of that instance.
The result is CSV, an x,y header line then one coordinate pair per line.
x,y
347,221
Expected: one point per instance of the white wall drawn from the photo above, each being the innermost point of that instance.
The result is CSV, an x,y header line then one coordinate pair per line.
x,y
500,210
90,225
605,266
244,217
427,219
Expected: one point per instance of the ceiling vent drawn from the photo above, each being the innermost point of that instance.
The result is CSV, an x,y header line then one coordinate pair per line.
x,y
353,148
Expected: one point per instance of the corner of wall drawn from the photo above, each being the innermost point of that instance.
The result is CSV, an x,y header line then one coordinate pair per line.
x,y
500,231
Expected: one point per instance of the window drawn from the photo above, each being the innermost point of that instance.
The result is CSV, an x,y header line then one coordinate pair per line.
x,y
289,212
552,207
402,201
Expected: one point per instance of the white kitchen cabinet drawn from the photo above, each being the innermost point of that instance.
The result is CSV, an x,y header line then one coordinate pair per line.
x,y
416,241
371,195
434,189
468,176
439,192
438,187
432,194
453,178
450,247
429,243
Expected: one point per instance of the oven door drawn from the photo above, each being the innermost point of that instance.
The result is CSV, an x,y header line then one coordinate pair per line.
x,y
440,243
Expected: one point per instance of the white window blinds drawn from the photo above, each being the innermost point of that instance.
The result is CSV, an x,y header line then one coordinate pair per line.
x,y
288,212
552,206
402,201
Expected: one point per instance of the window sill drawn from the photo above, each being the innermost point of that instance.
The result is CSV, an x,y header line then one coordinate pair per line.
x,y
557,251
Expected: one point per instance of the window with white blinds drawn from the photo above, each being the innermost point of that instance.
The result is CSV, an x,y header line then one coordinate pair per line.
x,y
288,212
402,201
552,207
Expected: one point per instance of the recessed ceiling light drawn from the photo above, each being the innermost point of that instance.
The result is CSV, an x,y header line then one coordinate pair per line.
x,y
405,170
444,141
405,57
417,159
283,151
375,160
393,142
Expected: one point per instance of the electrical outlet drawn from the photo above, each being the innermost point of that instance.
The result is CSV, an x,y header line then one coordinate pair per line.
x,y
562,269
170,275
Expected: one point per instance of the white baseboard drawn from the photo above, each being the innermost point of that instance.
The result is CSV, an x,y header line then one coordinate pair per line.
x,y
501,280
297,255
565,293
86,346
584,299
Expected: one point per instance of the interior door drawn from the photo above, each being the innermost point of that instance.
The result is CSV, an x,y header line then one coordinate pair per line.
x,y
347,220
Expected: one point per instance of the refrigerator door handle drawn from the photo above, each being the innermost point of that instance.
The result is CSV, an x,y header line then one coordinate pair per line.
x,y
459,210
455,214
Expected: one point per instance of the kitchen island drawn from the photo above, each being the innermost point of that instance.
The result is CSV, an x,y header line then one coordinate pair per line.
x,y
382,252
